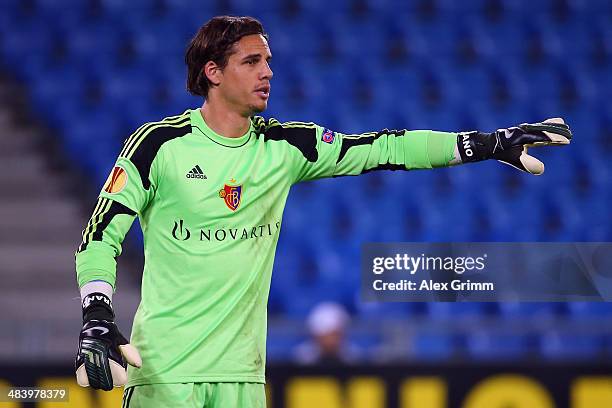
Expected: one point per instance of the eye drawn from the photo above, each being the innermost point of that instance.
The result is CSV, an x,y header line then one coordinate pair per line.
x,y
251,62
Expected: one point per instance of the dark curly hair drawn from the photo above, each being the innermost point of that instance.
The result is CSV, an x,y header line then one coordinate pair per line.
x,y
214,42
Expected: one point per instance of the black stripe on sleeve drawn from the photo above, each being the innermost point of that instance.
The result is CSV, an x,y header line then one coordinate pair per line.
x,y
304,138
143,157
347,143
386,166
134,138
114,209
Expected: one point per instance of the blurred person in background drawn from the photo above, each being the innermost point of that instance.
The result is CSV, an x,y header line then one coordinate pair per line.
x,y
327,325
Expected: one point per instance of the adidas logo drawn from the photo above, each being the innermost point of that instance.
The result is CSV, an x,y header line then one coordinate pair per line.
x,y
196,173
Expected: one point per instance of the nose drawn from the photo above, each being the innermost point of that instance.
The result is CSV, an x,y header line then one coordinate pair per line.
x,y
267,72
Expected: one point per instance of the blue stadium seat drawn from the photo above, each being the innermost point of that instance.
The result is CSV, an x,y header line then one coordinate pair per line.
x,y
56,85
123,88
473,81
88,43
509,226
499,345
529,311
133,8
321,6
389,310
281,346
49,9
299,301
11,6
458,311
434,346
440,38
253,7
30,41
571,346
366,344
590,310
365,43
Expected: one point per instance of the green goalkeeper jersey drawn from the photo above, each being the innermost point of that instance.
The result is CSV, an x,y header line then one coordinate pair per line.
x,y
210,209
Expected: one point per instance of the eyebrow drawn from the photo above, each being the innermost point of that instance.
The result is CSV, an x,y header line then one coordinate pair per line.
x,y
252,56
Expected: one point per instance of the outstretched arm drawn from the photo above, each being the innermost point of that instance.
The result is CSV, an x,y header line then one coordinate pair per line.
x,y
322,152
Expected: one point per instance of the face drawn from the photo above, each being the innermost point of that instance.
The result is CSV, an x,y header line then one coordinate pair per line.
x,y
244,83
330,342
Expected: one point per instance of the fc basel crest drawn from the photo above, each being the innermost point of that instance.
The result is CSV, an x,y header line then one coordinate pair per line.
x,y
231,195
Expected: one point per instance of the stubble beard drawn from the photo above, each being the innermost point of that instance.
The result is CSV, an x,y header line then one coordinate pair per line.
x,y
258,109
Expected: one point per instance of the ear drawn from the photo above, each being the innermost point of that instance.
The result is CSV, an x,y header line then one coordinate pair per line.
x,y
213,72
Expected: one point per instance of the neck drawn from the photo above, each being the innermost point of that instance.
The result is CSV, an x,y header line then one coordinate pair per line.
x,y
224,121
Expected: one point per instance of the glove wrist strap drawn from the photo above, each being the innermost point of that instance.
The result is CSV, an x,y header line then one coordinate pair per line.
x,y
97,306
476,146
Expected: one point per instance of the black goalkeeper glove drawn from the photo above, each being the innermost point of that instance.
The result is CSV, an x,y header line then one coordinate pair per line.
x,y
103,354
510,145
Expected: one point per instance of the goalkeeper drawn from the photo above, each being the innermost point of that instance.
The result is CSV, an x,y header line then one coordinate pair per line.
x,y
209,187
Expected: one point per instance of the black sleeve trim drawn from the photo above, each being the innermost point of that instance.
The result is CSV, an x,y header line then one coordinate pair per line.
x,y
386,166
303,138
143,157
107,216
347,143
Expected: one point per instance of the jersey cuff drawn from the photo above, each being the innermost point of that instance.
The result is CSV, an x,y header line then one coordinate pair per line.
x,y
425,149
441,148
96,263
